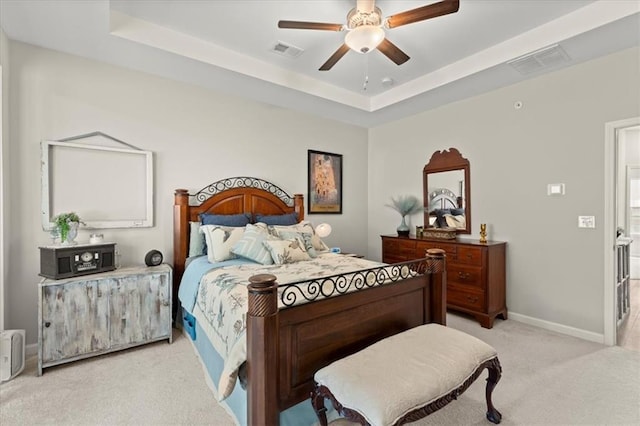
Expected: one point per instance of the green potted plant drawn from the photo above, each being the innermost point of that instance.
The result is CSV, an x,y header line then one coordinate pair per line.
x,y
405,205
67,225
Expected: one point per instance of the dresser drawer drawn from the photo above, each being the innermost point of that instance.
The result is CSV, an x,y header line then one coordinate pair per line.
x,y
422,246
465,275
470,255
398,250
399,247
390,258
465,297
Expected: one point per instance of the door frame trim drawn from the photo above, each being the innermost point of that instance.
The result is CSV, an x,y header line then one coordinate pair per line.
x,y
609,223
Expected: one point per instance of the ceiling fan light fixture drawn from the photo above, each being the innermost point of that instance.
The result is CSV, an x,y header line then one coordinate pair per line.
x,y
364,38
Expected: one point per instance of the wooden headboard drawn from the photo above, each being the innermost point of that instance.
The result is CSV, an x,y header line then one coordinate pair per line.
x,y
227,196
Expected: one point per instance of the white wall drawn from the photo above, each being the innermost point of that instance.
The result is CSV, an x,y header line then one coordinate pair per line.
x,y
4,174
554,269
198,137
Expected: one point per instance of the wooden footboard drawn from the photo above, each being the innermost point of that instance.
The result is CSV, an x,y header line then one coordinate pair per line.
x,y
286,347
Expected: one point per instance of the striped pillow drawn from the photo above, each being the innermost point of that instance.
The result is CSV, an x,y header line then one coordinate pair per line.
x,y
251,247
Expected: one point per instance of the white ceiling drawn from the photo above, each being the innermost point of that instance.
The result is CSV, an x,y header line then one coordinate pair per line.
x,y
227,46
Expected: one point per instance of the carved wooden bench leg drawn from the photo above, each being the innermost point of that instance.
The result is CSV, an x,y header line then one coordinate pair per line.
x,y
495,372
317,401
399,361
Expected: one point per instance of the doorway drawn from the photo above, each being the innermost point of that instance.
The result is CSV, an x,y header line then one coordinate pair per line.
x,y
621,220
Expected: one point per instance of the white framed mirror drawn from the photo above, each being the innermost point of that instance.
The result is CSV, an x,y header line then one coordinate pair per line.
x,y
108,187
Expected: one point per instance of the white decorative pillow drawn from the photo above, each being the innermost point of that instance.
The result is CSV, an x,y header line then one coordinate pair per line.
x,y
196,240
220,240
455,221
286,251
251,247
305,237
305,226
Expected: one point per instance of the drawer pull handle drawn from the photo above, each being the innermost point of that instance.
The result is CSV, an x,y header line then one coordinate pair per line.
x,y
464,275
47,324
472,299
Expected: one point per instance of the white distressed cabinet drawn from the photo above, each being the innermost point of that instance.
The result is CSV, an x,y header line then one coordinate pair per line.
x,y
94,314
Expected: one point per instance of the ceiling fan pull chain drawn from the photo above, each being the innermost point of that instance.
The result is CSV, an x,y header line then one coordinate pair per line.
x,y
366,72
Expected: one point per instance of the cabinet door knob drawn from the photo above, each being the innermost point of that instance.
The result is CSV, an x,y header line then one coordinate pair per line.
x,y
47,324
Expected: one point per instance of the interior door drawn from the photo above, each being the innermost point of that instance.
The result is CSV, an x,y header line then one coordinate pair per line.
x,y
633,217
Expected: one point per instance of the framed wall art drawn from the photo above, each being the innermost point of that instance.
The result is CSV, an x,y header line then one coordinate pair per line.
x,y
325,183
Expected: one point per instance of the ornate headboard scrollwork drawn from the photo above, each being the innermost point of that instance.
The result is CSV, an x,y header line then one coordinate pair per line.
x,y
242,182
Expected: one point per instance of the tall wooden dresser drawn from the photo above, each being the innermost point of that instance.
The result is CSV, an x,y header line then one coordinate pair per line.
x,y
476,272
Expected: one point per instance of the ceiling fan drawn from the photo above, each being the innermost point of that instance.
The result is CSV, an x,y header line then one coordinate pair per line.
x,y
365,28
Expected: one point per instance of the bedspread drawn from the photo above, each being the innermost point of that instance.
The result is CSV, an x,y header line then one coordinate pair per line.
x,y
222,303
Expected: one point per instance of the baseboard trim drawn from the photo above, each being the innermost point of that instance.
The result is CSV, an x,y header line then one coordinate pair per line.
x,y
559,328
31,349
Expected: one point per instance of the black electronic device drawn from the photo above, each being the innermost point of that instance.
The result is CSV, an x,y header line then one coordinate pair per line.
x,y
153,258
57,262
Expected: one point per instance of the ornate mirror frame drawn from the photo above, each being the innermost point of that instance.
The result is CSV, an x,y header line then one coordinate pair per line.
x,y
445,161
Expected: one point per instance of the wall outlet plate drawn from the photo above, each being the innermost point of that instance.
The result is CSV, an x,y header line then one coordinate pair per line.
x,y
586,221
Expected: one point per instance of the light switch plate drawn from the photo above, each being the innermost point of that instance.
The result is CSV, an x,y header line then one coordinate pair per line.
x,y
586,221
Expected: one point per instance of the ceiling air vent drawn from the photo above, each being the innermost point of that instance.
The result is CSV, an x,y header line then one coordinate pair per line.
x,y
285,49
549,57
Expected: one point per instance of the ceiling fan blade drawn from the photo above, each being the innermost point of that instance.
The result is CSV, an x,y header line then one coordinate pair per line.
x,y
337,55
392,52
421,13
299,25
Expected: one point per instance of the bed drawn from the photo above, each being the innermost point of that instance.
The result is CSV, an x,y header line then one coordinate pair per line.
x,y
295,328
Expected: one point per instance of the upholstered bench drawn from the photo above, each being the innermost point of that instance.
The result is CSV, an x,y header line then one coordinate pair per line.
x,y
407,376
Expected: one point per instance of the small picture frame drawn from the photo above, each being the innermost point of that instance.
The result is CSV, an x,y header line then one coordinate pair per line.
x,y
324,183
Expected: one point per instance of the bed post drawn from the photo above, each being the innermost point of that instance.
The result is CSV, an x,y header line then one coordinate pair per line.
x,y
438,289
180,249
298,205
262,351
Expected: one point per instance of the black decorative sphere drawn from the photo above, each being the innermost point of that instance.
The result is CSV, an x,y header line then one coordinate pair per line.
x,y
153,258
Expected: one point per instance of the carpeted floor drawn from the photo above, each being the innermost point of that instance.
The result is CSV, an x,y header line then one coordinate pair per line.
x,y
548,379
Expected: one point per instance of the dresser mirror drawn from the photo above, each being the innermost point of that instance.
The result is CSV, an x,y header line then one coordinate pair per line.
x,y
446,191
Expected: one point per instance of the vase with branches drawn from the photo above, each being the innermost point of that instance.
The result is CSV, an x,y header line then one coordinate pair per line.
x,y
405,205
67,225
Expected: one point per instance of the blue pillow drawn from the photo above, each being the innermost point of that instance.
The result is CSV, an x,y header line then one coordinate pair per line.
x,y
278,219
225,219
457,212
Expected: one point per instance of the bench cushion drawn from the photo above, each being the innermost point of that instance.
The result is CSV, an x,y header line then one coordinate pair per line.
x,y
404,372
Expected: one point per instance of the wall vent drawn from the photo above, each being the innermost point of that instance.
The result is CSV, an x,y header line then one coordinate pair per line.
x,y
285,49
548,57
